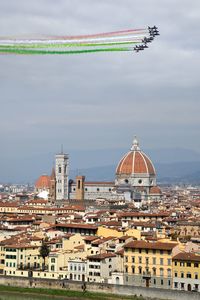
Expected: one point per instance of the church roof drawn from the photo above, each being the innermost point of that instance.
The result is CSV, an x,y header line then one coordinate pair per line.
x,y
43,182
135,162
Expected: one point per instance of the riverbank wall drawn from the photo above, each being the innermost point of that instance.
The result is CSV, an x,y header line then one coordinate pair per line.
x,y
98,288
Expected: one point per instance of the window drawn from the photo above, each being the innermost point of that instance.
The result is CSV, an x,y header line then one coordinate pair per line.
x,y
196,276
147,251
169,273
53,260
59,169
133,270
126,269
133,259
169,262
161,282
175,274
53,268
196,265
182,285
126,258
182,264
140,259
175,263
161,261
175,285
189,275
182,275
154,271
161,251
154,260
97,189
188,264
140,270
161,272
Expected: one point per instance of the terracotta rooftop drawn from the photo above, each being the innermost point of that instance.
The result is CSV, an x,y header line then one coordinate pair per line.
x,y
102,256
150,245
187,257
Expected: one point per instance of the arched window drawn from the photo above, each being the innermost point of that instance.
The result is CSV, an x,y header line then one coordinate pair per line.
x,y
169,273
154,271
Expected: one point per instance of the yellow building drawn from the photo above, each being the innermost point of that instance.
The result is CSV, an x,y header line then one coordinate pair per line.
x,y
106,232
186,272
20,258
148,263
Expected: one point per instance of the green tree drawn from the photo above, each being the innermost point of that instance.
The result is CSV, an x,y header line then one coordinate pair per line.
x,y
44,252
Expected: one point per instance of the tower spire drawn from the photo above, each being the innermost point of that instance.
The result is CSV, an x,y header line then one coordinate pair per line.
x,y
135,145
61,149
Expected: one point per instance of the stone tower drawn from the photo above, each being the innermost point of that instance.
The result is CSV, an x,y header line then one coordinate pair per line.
x,y
52,192
80,187
62,173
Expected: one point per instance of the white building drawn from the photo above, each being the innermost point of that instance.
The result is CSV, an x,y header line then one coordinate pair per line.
x,y
101,266
62,175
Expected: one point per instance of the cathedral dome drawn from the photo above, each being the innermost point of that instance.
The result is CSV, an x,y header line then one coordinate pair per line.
x,y
135,162
43,182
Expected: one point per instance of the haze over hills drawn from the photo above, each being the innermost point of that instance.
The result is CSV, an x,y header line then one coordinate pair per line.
x,y
172,165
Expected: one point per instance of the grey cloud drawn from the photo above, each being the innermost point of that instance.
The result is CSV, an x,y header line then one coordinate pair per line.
x,y
101,100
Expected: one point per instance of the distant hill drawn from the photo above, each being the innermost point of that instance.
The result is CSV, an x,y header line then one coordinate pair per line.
x,y
171,164
185,172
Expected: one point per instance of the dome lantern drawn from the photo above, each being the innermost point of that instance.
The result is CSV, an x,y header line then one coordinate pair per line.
x,y
135,145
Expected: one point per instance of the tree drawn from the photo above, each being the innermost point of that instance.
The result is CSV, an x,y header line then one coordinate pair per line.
x,y
44,252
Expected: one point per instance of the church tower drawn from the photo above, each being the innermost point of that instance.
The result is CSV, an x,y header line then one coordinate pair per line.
x,y
62,173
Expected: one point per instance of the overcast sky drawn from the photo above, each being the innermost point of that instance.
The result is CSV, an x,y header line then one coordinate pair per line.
x,y
99,101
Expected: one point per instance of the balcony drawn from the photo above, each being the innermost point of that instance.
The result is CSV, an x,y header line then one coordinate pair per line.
x,y
146,275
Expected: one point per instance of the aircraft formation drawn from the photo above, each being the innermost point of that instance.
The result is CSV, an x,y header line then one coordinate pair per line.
x,y
118,41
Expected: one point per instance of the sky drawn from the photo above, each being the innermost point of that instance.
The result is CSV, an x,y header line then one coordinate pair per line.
x,y
95,102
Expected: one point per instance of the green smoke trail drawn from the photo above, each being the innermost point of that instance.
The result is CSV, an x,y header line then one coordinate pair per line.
x,y
15,50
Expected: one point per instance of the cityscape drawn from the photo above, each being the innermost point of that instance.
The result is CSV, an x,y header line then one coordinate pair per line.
x,y
100,159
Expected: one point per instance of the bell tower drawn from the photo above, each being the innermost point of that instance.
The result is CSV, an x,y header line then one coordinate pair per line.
x,y
62,175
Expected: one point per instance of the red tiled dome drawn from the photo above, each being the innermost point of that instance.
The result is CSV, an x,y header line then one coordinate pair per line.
x,y
43,182
155,190
135,162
